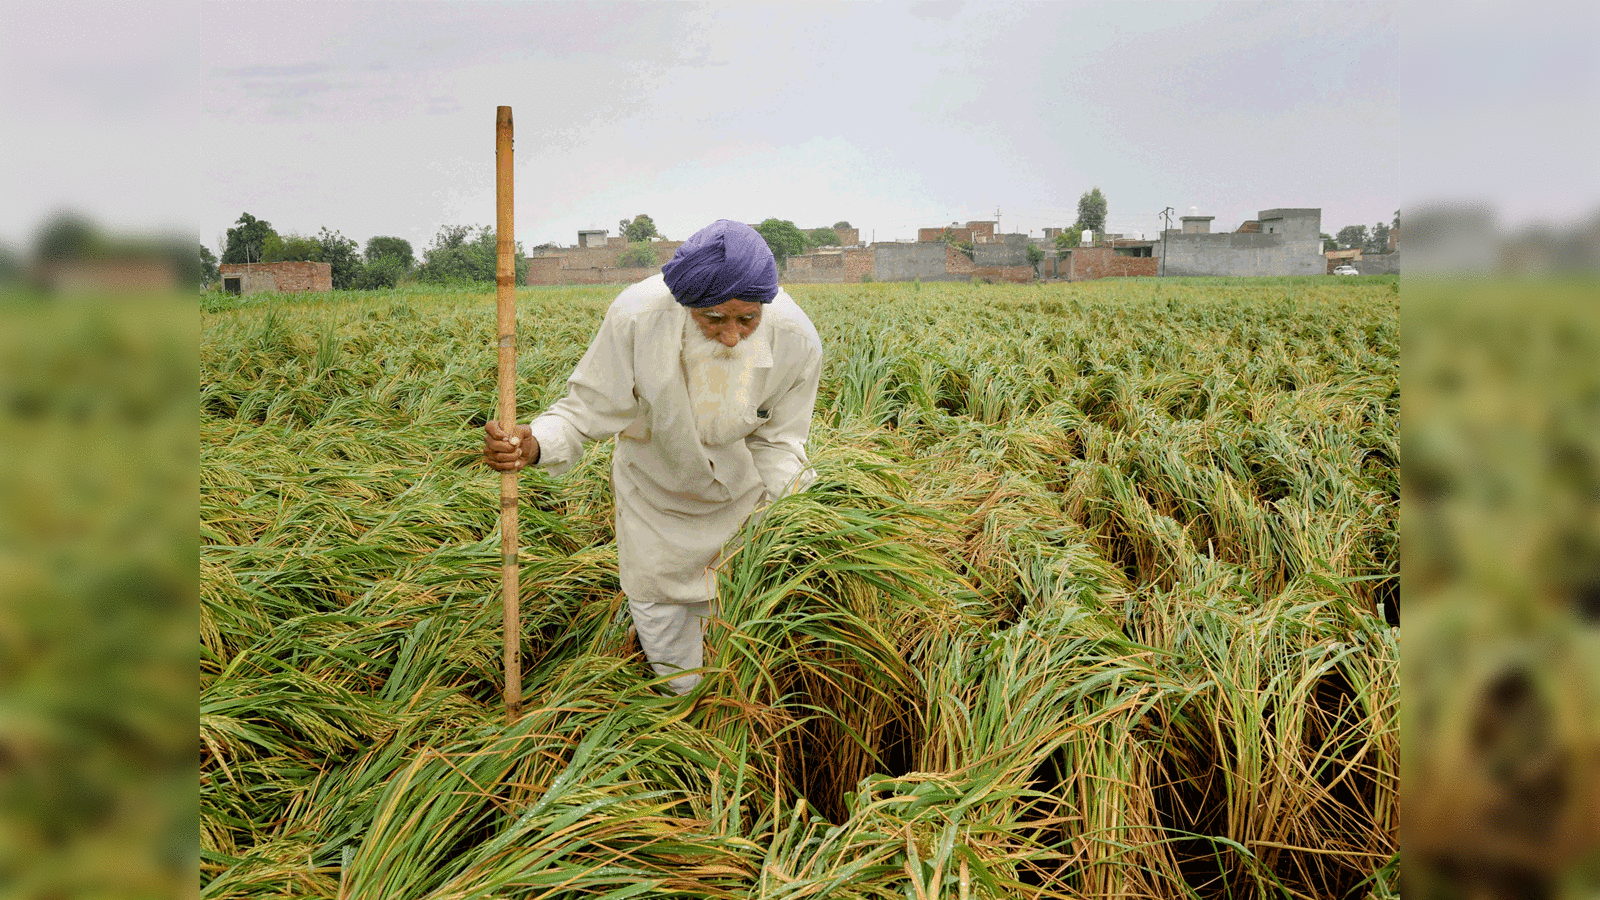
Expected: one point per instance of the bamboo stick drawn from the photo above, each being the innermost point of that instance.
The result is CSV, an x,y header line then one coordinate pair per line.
x,y
506,317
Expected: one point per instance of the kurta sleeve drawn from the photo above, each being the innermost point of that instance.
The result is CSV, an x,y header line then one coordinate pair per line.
x,y
778,446
600,397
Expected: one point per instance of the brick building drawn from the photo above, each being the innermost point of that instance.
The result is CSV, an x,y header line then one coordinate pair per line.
x,y
1110,259
596,260
275,278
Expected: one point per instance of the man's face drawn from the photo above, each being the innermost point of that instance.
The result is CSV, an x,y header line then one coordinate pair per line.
x,y
729,322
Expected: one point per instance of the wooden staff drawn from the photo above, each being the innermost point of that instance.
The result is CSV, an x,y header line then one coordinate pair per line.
x,y
505,278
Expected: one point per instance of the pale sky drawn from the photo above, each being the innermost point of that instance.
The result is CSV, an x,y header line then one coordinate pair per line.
x,y
377,117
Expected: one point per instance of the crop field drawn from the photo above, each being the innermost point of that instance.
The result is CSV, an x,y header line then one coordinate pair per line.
x,y
1096,595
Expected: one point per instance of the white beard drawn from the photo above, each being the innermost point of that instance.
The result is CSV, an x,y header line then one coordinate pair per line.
x,y
719,379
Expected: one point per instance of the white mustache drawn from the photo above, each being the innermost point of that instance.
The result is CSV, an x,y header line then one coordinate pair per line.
x,y
698,346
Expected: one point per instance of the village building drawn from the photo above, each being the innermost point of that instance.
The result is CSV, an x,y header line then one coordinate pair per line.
x,y
276,277
1279,242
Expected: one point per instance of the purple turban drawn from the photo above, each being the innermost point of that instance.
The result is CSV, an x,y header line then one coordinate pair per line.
x,y
725,260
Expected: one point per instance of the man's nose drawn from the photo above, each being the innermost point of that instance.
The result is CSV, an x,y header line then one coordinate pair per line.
x,y
728,338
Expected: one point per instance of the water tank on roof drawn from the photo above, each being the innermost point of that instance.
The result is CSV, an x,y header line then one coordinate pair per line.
x,y
1088,237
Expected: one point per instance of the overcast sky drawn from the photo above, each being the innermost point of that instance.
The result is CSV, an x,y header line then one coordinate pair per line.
x,y
377,118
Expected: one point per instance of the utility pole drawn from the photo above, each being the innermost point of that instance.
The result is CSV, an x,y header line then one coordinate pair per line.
x,y
1166,219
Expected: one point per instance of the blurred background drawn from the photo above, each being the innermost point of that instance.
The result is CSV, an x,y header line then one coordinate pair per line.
x,y
99,271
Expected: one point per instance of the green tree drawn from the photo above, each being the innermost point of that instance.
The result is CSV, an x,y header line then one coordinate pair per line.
x,y
638,255
289,247
68,236
640,229
384,272
209,270
1068,240
822,237
246,240
1092,211
461,254
1035,256
842,224
343,257
384,247
1352,236
1378,241
783,238
949,237
1329,242
11,268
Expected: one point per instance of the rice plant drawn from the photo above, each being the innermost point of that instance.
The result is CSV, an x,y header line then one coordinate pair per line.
x,y
1095,596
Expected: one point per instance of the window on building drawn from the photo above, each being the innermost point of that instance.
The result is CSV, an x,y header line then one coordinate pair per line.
x,y
231,284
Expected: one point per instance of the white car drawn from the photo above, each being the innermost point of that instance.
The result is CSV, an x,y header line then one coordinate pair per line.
x,y
1346,270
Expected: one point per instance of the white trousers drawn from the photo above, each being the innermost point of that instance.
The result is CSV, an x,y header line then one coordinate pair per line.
x,y
672,636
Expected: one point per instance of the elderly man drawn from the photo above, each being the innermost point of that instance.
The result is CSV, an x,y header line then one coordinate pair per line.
x,y
708,373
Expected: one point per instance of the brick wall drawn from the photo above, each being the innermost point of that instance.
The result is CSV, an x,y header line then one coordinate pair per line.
x,y
905,262
1011,274
281,276
956,262
857,263
814,268
1089,263
848,237
543,270
1002,253
1379,264
116,276
848,266
578,265
935,235
599,275
981,230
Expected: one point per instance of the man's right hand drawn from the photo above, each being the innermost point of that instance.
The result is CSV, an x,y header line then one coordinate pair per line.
x,y
509,453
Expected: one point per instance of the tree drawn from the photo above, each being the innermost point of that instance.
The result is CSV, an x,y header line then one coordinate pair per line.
x,y
385,272
1035,256
1092,211
247,240
783,238
209,270
1067,240
11,268
383,247
842,224
1352,236
387,261
68,236
1328,242
341,254
949,237
1379,240
638,256
289,247
461,254
822,237
640,229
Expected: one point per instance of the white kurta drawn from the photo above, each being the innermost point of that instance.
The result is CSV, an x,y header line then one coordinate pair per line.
x,y
677,499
